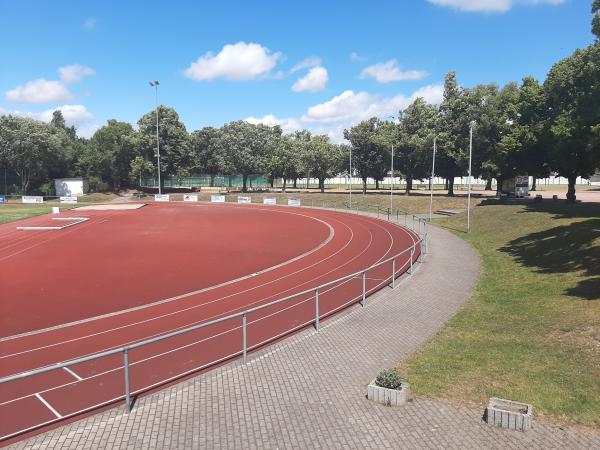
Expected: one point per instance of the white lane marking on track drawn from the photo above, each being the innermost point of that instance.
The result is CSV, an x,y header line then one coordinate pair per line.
x,y
187,294
48,405
193,343
180,311
54,236
219,334
72,373
224,298
258,301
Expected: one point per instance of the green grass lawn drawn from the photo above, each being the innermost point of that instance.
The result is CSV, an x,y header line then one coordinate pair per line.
x,y
531,331
414,203
9,212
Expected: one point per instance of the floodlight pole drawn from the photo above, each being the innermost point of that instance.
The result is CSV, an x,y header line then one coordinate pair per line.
x,y
350,176
392,183
431,179
472,124
155,85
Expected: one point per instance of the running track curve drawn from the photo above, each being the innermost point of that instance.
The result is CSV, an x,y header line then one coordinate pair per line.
x,y
346,244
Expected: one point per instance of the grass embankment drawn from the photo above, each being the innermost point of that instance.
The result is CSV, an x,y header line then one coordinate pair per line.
x,y
531,331
9,212
414,203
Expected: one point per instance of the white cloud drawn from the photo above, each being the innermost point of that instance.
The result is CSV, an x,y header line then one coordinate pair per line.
x,y
353,107
490,5
75,115
74,73
390,71
314,81
240,61
313,61
355,57
287,125
39,91
87,130
89,24
49,91
348,108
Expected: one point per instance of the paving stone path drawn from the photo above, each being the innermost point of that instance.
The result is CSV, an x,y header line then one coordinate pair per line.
x,y
308,391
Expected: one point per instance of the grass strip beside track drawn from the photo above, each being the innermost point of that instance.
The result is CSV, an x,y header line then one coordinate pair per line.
x,y
9,212
531,331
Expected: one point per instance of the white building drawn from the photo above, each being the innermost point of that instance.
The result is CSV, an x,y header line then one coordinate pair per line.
x,y
69,187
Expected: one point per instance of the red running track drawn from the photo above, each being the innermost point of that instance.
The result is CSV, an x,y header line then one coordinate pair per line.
x,y
125,276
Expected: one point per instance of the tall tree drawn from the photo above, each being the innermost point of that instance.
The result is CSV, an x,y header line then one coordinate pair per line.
x,y
286,159
58,120
415,131
532,122
322,159
207,155
573,94
175,156
110,152
246,147
141,168
29,147
453,131
369,157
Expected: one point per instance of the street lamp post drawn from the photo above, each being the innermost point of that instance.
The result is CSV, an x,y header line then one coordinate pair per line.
x,y
431,179
472,124
155,85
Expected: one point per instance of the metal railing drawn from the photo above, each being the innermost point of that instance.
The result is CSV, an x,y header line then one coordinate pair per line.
x,y
420,243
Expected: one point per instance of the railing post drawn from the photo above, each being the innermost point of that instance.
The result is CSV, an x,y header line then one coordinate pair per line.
x,y
412,252
394,273
317,309
364,288
244,337
126,372
388,214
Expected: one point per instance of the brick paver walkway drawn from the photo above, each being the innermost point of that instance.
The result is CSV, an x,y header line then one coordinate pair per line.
x,y
309,390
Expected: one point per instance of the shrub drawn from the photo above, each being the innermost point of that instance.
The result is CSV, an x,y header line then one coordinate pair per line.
x,y
388,378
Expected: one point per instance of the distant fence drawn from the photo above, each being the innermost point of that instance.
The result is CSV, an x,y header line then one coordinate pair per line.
x,y
254,181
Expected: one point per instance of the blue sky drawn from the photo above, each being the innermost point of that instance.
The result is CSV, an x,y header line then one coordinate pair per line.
x,y
321,65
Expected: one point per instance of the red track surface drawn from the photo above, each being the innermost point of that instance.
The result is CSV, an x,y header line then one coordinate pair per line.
x,y
113,273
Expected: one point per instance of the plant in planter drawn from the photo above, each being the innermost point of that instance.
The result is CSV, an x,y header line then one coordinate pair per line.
x,y
389,389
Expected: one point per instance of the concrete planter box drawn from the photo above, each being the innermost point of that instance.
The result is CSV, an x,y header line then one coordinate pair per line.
x,y
508,414
389,397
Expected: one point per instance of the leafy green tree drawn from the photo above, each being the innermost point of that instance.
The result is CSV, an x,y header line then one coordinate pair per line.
x,y
175,154
453,132
246,147
29,147
532,122
141,168
322,159
495,138
415,139
370,158
286,159
58,120
299,138
109,153
573,94
207,155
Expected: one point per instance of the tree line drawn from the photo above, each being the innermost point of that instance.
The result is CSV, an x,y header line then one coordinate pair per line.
x,y
521,128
